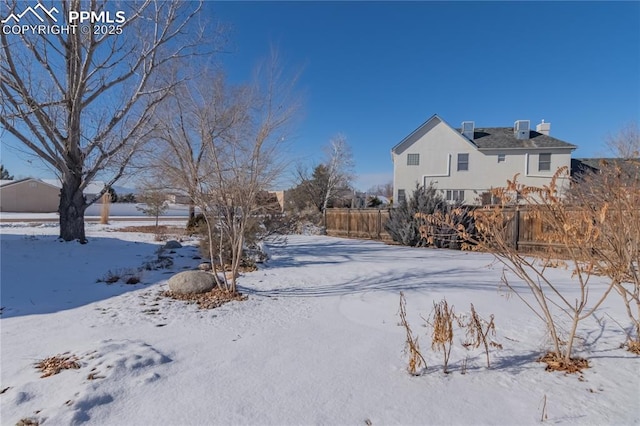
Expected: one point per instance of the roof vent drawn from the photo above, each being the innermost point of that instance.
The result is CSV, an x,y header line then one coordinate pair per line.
x,y
521,129
468,129
544,128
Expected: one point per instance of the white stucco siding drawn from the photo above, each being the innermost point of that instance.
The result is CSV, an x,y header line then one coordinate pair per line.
x,y
435,147
486,172
438,146
29,196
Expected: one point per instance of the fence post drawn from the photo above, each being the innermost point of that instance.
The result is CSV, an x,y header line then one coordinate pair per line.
x,y
324,221
348,223
516,236
379,224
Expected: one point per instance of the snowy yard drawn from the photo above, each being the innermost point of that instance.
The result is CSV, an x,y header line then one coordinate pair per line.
x,y
317,342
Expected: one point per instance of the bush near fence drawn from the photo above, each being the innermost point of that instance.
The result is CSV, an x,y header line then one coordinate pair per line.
x,y
526,227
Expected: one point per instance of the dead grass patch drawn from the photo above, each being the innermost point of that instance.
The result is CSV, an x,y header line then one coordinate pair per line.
x,y
28,422
126,275
633,346
209,300
558,363
160,233
55,364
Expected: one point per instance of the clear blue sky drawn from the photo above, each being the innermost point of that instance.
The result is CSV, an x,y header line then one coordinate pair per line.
x,y
375,71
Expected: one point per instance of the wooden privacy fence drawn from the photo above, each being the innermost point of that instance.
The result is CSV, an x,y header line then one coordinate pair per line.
x,y
357,223
525,228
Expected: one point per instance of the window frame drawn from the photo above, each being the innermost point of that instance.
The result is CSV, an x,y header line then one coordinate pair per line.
x,y
544,165
454,195
402,196
413,159
461,163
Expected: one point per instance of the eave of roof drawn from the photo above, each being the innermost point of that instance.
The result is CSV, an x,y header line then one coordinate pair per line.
x,y
425,124
496,138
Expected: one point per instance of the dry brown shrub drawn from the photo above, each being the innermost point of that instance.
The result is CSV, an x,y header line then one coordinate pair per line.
x,y
209,300
633,347
442,334
416,361
104,210
28,421
562,227
55,364
126,275
479,331
559,363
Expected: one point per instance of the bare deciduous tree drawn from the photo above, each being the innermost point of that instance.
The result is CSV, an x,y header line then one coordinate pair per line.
x,y
626,142
155,202
198,115
224,150
248,159
335,173
82,102
386,190
568,229
609,196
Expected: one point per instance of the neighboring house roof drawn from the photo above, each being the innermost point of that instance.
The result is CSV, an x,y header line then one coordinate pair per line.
x,y
491,138
92,188
583,165
6,183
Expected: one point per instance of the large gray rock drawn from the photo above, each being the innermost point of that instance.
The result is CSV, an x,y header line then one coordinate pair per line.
x,y
191,282
173,244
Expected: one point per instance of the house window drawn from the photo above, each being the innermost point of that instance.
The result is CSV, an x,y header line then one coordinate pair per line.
x,y
413,159
402,197
544,162
501,158
463,162
454,195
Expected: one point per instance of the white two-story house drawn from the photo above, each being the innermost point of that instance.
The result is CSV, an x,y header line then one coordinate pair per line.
x,y
466,163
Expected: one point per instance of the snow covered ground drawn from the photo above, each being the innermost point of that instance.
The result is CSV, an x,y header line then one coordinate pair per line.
x,y
116,210
317,342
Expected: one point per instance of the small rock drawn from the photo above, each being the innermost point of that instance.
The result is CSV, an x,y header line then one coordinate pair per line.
x,y
205,266
172,244
191,282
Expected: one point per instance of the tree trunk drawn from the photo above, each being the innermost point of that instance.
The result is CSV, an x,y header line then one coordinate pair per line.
x,y
71,209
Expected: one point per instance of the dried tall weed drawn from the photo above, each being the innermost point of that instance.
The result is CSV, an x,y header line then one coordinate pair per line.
x,y
479,332
417,362
104,210
442,330
567,228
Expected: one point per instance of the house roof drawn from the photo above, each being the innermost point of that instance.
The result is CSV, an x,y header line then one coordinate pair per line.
x,y
92,187
583,165
6,183
504,138
492,138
